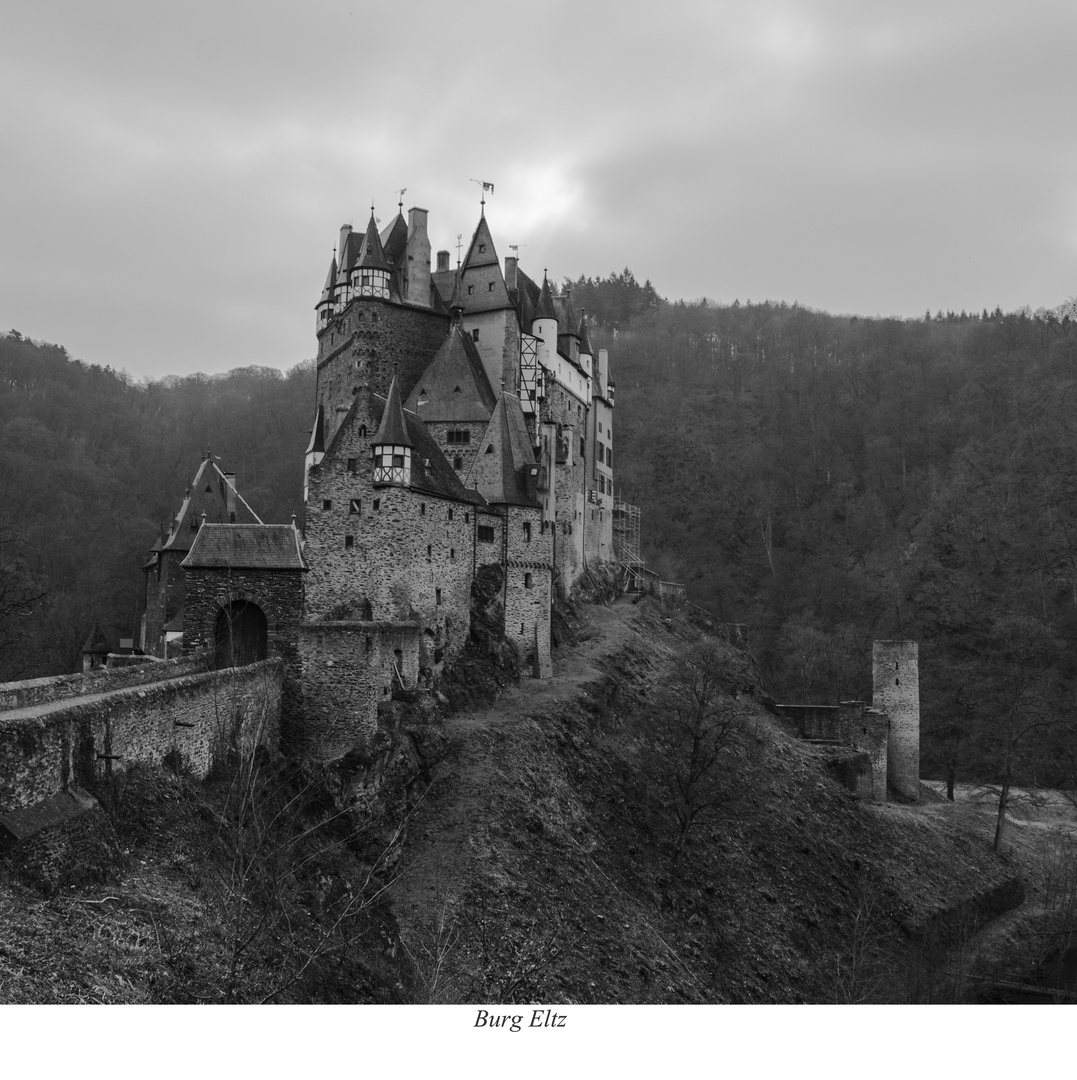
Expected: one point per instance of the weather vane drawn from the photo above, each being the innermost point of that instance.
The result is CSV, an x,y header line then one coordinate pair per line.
x,y
400,203
486,187
459,245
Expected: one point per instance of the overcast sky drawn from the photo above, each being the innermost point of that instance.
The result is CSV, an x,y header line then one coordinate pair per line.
x,y
173,175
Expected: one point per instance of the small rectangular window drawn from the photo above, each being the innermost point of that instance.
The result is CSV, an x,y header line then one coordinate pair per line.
x,y
437,596
450,513
349,542
377,505
491,288
527,581
470,289
422,508
452,554
467,519
352,464
327,504
355,506
527,531
475,334
429,551
486,534
458,463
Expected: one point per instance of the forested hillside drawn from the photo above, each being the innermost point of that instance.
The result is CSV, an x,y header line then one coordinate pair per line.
x,y
827,480
833,480
92,464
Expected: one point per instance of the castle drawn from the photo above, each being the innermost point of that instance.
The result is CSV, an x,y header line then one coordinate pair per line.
x,y
462,421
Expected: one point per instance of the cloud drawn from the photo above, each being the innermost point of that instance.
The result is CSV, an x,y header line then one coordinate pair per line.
x,y
175,176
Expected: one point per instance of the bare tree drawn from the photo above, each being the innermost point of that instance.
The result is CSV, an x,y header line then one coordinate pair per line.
x,y
689,740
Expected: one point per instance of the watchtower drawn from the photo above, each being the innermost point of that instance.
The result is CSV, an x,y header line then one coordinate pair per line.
x,y
896,683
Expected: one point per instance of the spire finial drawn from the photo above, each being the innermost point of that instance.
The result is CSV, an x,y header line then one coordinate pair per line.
x,y
400,201
459,244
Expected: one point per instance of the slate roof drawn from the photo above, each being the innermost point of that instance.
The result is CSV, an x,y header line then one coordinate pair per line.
x,y
372,256
392,429
544,308
394,240
246,547
206,495
585,338
500,473
430,472
454,388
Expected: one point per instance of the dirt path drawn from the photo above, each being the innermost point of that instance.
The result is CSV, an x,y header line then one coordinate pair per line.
x,y
442,834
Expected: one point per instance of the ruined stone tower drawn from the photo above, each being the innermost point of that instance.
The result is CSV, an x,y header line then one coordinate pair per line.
x,y
896,683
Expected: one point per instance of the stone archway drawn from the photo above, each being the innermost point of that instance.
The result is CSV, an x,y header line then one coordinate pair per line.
x,y
241,635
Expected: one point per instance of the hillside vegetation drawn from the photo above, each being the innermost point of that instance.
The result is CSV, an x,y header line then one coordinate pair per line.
x,y
827,480
527,851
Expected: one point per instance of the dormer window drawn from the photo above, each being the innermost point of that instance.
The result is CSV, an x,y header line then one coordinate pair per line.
x,y
470,289
482,249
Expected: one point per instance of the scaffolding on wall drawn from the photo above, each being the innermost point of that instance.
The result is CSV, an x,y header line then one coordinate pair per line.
x,y
626,542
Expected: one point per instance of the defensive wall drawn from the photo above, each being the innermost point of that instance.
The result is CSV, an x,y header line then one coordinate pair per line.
x,y
121,671
193,717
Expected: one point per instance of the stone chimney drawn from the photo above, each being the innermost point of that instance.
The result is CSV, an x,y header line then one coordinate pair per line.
x,y
510,273
417,270
443,261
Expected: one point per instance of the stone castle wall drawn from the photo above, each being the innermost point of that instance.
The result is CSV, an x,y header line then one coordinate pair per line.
x,y
566,409
410,556
363,344
347,668
195,717
896,691
867,731
528,579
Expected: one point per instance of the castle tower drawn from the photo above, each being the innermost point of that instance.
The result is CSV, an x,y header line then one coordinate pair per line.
x,y
896,681
392,444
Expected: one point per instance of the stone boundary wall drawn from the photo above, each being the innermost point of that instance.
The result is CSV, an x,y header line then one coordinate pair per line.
x,y
30,692
44,749
820,722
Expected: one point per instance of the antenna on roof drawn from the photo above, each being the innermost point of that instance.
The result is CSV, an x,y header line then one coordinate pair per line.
x,y
486,187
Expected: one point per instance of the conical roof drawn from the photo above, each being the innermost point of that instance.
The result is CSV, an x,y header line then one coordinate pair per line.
x,y
330,282
544,308
372,257
585,338
392,429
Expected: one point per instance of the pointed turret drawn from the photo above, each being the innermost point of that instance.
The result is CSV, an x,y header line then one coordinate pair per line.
x,y
324,307
544,326
370,275
391,444
544,308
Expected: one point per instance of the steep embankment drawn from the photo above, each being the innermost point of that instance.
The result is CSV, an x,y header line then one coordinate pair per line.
x,y
537,866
